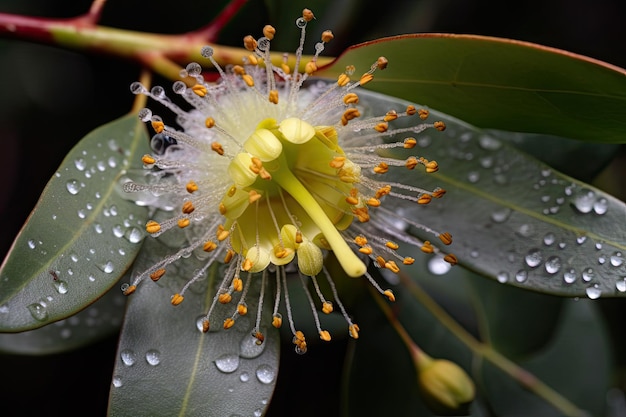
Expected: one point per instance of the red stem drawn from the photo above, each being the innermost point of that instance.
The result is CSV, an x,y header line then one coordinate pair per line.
x,y
212,30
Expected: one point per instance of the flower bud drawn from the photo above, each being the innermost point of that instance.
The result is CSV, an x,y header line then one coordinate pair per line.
x,y
446,387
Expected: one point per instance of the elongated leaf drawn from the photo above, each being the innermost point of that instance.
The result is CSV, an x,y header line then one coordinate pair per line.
x,y
81,237
167,366
512,217
499,83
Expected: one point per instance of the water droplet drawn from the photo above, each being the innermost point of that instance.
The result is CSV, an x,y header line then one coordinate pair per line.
x,y
118,230
593,292
598,246
569,276
244,377
73,186
617,259
227,363
489,143
533,258
502,277
31,244
248,348
265,374
38,311
581,239
133,235
81,214
258,412
153,357
80,164
601,260
524,230
437,266
128,357
584,201
621,284
553,265
113,210
500,179
601,206
588,274
117,382
549,239
107,267
521,275
61,286
112,162
98,228
500,216
473,177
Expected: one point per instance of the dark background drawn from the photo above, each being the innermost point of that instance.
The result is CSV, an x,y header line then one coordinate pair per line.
x,y
50,98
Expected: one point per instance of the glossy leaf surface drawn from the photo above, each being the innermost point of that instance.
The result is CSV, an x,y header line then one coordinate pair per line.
x,y
82,235
499,83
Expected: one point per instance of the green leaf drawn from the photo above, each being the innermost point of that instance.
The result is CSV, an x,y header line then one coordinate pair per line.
x,y
82,235
165,364
512,217
499,83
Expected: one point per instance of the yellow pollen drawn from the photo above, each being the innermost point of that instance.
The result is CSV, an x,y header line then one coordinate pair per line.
x,y
361,214
440,126
366,250
408,261
427,247
337,162
131,289
411,162
451,259
209,246
156,275
277,321
390,116
350,98
327,36
273,96
217,148
200,90
432,166
438,193
307,15
253,60
247,265
343,80
247,78
373,202
409,143
158,126
380,261
269,31
353,201
327,307
224,298
239,70
446,238
191,187
280,252
177,299
242,309
392,245
182,223
383,191
411,110
423,114
229,256
353,329
188,207
148,160
310,67
382,168
360,240
382,63
389,295
222,209
392,266
228,323
221,233
231,191
381,127
285,68
424,199
249,43
366,78
152,227
298,237
348,115
325,336
205,325
237,284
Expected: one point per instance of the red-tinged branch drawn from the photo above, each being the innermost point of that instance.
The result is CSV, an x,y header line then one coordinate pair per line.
x,y
210,31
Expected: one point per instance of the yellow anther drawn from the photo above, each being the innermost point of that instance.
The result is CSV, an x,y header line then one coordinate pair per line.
x,y
382,62
353,329
177,299
381,168
247,78
343,80
383,191
390,116
205,325
249,43
380,261
280,252
451,259
440,126
156,275
381,127
222,209
325,336
253,60
350,98
158,126
247,265
423,114
182,223
366,78
307,15
310,67
269,31
239,70
188,207
362,214
411,162
228,323
277,321
327,307
209,246
221,233
366,250
438,193
242,309
152,227
299,237
409,143
285,68
259,338
229,256
411,110
424,199
349,114
389,295
131,289
392,245
393,267
200,90
327,36
231,191
337,162
353,201
264,174
209,122
432,166
224,298
217,148
253,196
299,336
191,187
373,202
408,261
427,247
446,238
148,159
360,240
237,284
273,96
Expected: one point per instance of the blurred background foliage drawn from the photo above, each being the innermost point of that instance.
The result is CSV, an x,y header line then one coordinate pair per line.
x,y
51,98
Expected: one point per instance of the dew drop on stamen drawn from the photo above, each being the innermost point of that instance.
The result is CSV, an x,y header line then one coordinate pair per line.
x,y
137,88
249,347
265,374
157,91
227,363
145,115
193,69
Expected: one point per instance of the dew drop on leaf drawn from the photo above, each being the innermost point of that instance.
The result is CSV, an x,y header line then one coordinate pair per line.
x,y
117,382
38,311
588,274
553,265
569,276
227,363
60,286
153,357
521,276
600,206
128,357
502,276
438,266
593,292
621,284
617,259
584,201
73,186
265,374
533,258
244,377
249,347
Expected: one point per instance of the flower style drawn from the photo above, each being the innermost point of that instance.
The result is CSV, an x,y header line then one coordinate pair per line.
x,y
269,173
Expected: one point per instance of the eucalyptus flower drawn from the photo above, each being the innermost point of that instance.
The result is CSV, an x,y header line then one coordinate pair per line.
x,y
270,171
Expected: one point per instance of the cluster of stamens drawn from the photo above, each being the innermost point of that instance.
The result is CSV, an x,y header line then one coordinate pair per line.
x,y
272,173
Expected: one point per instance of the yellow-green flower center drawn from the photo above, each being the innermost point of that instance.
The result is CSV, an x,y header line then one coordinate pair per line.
x,y
286,173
